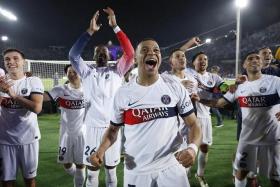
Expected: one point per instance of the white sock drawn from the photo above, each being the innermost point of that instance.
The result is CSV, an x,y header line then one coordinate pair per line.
x,y
251,175
71,171
92,178
111,177
79,177
202,160
239,183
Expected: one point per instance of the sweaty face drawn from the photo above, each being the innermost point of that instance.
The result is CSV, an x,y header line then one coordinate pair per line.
x,y
14,62
178,61
71,74
201,63
101,55
253,63
266,56
148,57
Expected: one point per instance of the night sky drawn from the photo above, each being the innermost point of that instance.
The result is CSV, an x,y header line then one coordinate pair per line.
x,y
42,23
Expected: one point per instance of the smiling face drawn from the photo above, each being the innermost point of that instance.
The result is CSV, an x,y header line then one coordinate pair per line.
x,y
72,75
148,57
14,62
201,63
178,61
253,63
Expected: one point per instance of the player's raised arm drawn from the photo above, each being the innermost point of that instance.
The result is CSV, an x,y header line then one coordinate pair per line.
x,y
126,61
195,41
75,52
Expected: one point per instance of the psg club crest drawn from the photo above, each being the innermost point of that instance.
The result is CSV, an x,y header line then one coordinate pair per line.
x,y
107,76
24,91
166,99
262,89
209,83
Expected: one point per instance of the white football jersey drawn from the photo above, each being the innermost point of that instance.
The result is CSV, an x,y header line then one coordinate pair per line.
x,y
206,84
99,85
259,102
18,125
150,118
72,106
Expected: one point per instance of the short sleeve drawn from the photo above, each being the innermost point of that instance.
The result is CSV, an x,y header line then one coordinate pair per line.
x,y
56,92
184,105
36,86
230,97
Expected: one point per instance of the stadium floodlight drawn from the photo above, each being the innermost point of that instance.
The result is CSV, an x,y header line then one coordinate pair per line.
x,y
8,14
208,40
4,38
240,4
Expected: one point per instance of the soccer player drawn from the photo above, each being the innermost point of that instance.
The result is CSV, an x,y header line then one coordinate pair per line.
x,y
259,139
70,99
266,57
22,99
148,107
100,85
207,82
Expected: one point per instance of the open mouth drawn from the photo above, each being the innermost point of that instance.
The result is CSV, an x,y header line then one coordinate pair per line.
x,y
151,63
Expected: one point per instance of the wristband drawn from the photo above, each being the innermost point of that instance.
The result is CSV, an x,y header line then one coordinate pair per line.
x,y
193,147
116,29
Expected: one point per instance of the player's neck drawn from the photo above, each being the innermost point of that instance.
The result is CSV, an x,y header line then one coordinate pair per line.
x,y
147,80
16,75
178,73
75,84
254,76
201,72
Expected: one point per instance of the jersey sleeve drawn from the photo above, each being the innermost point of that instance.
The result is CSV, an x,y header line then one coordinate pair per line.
x,y
184,105
126,60
117,115
75,58
230,97
36,86
278,85
55,93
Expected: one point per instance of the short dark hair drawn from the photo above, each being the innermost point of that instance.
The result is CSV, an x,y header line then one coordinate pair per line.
x,y
175,50
264,47
13,50
146,39
66,68
247,54
196,55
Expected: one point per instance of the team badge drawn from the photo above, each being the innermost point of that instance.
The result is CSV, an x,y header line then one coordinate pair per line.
x,y
209,83
262,89
107,76
166,99
24,91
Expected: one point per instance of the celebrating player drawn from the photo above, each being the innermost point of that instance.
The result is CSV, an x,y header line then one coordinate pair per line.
x,y
148,107
22,99
71,140
259,139
100,85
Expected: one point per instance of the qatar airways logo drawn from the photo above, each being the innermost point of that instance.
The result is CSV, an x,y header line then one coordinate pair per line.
x,y
71,104
253,101
10,103
150,113
136,116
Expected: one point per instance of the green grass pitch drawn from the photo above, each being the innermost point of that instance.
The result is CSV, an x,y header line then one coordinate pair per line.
x,y
218,171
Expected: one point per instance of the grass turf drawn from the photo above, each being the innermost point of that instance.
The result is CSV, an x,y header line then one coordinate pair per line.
x,y
218,171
